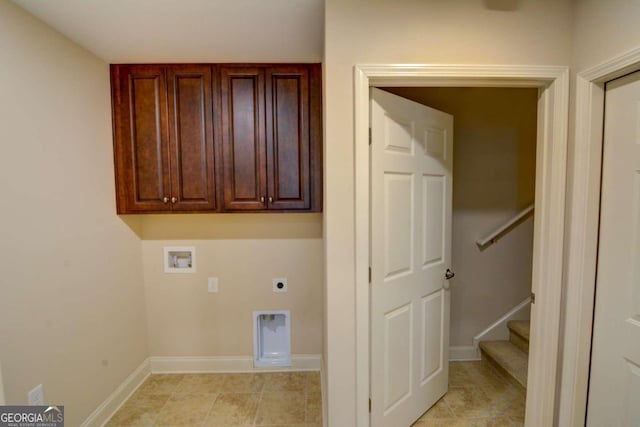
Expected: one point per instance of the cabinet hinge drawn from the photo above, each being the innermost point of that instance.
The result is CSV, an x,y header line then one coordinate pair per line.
x,y
370,136
369,405
369,274
533,298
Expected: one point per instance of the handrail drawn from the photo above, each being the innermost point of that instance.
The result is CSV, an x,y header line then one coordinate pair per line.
x,y
500,231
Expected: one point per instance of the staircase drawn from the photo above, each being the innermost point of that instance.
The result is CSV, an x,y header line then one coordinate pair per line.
x,y
510,357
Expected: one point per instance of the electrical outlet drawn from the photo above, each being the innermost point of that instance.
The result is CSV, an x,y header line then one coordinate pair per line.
x,y
280,284
36,396
213,285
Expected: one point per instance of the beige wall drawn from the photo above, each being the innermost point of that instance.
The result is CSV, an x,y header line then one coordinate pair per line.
x,y
71,291
494,151
439,31
245,252
603,30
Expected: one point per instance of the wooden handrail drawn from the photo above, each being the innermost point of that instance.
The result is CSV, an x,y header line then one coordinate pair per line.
x,y
493,237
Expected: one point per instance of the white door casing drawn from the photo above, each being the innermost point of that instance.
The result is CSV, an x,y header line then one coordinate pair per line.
x,y
411,194
615,363
553,102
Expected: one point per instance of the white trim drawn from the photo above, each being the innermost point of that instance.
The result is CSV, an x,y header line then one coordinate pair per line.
x,y
214,364
582,240
464,353
111,404
549,223
498,330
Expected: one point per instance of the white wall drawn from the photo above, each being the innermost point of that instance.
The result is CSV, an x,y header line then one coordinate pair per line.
x,y
71,289
494,150
438,31
602,30
245,252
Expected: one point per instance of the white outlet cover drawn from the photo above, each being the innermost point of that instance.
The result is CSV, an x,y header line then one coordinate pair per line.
x,y
212,284
36,396
282,280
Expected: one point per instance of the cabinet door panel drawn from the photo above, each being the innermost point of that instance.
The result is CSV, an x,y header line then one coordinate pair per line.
x,y
142,150
288,137
243,140
191,137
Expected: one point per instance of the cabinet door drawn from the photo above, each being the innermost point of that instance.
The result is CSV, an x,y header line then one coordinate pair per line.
x,y
191,137
288,138
243,138
141,148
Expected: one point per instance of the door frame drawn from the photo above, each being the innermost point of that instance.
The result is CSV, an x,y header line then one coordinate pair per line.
x,y
583,226
553,103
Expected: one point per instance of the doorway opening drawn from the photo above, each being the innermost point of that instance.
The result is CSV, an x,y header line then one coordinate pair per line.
x,y
493,171
552,101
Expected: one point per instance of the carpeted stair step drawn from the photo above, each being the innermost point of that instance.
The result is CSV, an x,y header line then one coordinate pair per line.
x,y
508,358
519,334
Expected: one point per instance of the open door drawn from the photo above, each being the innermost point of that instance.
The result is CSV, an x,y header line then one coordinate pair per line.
x,y
411,189
614,384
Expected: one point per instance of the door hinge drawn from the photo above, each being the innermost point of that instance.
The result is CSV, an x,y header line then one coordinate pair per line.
x,y
533,298
369,274
370,137
369,405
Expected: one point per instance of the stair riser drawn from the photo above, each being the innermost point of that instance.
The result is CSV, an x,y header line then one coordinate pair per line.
x,y
503,372
519,342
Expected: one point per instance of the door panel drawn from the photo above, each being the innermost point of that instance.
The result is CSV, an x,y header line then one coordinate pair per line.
x,y
398,356
288,137
398,224
411,166
191,136
243,142
614,383
432,335
144,149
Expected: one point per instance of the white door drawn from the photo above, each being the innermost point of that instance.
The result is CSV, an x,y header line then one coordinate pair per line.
x,y
411,171
614,385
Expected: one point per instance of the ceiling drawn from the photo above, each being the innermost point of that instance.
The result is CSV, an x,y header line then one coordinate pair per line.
x,y
121,31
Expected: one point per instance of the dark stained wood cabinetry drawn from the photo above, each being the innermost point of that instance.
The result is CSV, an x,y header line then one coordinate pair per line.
x,y
164,151
217,138
243,138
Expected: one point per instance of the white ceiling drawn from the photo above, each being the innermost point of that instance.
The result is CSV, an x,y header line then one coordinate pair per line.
x,y
189,30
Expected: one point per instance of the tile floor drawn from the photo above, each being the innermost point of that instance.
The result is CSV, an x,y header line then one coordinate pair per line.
x,y
479,396
220,400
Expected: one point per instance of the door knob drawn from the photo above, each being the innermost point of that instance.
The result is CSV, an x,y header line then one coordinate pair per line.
x,y
262,199
270,199
449,274
173,200
165,199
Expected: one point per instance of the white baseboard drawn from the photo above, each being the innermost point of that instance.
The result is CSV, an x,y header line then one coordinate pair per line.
x,y
466,352
188,364
498,330
115,400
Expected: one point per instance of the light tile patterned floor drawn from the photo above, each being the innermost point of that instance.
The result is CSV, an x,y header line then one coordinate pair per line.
x,y
479,396
291,399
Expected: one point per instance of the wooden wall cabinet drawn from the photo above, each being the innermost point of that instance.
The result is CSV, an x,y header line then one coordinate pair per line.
x,y
164,150
228,138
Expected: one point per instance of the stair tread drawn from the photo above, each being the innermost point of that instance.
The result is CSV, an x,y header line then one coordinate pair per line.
x,y
509,357
520,327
